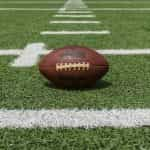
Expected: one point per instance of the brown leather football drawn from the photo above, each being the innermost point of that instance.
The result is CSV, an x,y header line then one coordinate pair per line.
x,y
73,66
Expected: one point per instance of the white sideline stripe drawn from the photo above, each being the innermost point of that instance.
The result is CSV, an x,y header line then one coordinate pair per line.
x,y
28,9
103,32
105,52
120,9
116,2
125,52
89,9
117,52
117,118
29,55
75,22
75,12
75,16
32,2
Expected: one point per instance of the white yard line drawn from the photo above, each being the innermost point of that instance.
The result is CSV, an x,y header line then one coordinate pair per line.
x,y
31,2
75,16
75,12
117,2
125,52
30,55
28,9
75,22
89,9
119,9
103,32
118,118
16,52
117,52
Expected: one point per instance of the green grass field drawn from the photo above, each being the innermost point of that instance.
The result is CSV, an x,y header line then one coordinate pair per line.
x,y
129,29
127,84
102,138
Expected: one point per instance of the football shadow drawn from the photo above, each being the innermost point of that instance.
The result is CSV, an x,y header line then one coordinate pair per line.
x,y
101,84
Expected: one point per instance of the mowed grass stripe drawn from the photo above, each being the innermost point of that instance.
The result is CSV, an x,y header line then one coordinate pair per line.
x,y
119,118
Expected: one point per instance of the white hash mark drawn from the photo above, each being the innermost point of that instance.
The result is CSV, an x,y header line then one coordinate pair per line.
x,y
74,118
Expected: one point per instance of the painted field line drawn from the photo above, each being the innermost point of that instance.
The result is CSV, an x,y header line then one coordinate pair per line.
x,y
75,16
75,12
16,52
125,52
105,52
117,118
119,9
75,22
103,32
116,2
117,52
31,2
28,9
89,9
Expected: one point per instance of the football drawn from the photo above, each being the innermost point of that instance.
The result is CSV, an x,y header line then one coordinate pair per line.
x,y
73,66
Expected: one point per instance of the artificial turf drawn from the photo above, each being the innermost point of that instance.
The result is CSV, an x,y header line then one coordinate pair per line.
x,y
75,139
129,29
126,85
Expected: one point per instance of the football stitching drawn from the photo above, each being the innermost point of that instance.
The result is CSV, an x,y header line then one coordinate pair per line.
x,y
83,66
